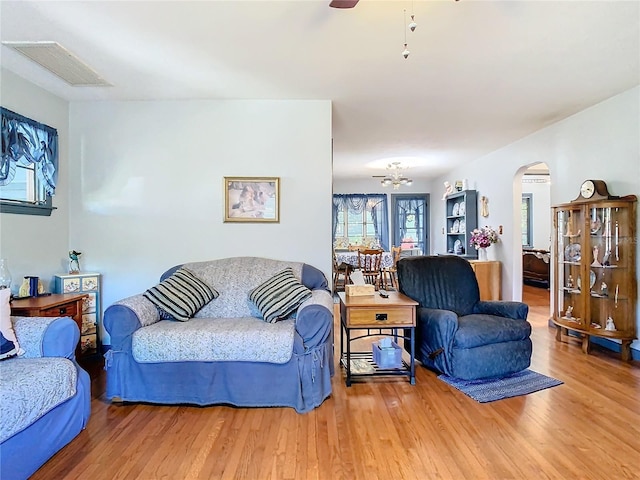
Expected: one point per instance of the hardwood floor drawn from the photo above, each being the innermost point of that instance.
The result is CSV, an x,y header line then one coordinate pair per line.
x,y
587,428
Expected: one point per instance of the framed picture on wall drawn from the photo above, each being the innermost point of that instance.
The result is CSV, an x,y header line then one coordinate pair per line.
x,y
252,199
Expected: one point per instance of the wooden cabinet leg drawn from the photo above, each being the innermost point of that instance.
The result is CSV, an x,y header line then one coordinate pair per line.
x,y
625,350
558,334
586,344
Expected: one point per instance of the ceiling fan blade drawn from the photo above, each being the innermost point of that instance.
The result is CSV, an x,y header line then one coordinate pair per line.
x,y
343,3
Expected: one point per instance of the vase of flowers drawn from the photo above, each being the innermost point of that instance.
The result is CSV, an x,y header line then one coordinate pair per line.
x,y
481,239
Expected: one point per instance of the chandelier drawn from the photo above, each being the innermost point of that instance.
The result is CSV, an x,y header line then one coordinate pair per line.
x,y
395,176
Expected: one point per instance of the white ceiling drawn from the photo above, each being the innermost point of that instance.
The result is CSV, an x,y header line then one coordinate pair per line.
x,y
481,74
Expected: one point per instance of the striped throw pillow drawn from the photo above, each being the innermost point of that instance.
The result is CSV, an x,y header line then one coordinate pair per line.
x,y
181,295
279,296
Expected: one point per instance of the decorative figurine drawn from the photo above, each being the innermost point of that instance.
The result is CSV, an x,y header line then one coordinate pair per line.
x,y
604,290
74,262
484,206
570,282
569,232
568,313
610,326
448,190
596,263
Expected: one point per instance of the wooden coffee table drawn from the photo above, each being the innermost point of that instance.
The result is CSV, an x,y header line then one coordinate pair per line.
x,y
375,315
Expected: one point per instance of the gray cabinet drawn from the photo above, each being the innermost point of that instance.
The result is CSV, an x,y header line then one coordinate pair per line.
x,y
461,220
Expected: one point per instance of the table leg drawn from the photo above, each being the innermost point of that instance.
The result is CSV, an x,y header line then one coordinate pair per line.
x,y
348,357
412,367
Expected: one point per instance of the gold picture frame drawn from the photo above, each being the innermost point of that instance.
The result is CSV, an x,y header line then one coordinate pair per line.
x,y
252,199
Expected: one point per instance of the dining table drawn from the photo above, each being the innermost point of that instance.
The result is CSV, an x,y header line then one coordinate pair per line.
x,y
351,258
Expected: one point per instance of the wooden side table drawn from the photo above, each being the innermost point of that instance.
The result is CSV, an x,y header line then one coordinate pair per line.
x,y
56,305
375,315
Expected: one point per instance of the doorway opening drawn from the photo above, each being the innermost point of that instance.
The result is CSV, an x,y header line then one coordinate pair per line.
x,y
535,233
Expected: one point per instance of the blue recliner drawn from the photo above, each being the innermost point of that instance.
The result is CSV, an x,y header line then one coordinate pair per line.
x,y
457,333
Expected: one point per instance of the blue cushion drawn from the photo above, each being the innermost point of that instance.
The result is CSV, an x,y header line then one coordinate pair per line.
x,y
476,330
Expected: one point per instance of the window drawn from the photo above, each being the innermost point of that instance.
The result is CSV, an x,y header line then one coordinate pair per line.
x,y
525,220
28,166
360,219
410,231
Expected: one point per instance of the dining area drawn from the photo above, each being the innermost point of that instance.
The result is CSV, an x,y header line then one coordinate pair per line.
x,y
376,265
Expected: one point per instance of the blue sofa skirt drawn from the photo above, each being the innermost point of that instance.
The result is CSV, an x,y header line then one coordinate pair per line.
x,y
302,383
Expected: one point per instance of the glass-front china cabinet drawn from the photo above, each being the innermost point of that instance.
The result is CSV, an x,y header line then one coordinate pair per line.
x,y
595,267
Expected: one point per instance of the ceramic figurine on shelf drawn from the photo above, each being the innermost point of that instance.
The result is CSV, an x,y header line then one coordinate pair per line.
x,y
74,262
604,290
610,326
448,190
569,312
595,263
570,282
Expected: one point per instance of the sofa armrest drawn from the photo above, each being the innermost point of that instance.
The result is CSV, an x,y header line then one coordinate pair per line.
x,y
513,310
47,336
126,316
314,319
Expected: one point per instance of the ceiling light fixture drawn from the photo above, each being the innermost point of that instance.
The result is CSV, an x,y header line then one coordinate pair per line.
x,y
413,24
395,176
405,52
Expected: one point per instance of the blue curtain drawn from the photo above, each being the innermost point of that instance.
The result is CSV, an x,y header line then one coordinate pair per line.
x,y
411,207
357,203
26,142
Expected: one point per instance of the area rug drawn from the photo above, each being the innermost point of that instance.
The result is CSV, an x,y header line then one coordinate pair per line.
x,y
489,390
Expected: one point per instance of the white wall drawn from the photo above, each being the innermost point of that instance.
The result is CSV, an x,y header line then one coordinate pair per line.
x,y
147,179
35,245
540,189
373,185
601,142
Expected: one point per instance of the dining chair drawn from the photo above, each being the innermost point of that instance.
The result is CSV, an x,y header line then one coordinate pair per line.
x,y
341,273
391,273
369,261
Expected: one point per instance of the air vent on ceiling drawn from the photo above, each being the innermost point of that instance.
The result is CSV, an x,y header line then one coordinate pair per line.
x,y
61,62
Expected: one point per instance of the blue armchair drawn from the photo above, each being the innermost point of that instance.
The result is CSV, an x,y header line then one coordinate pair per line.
x,y
457,333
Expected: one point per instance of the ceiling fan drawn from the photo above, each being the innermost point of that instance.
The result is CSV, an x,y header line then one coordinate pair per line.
x,y
343,3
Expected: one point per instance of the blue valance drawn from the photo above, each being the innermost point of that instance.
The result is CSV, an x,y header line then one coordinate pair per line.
x,y
25,142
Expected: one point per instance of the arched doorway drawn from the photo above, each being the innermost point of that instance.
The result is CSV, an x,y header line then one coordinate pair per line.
x,y
535,227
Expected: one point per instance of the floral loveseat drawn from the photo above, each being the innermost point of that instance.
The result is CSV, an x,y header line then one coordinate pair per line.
x,y
225,352
45,399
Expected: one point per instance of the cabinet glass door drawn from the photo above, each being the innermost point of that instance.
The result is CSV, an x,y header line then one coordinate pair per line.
x,y
609,259
569,225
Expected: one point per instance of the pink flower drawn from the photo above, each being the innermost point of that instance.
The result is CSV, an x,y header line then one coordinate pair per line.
x,y
483,237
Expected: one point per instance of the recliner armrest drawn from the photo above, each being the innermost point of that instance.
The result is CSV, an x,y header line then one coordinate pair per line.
x,y
513,310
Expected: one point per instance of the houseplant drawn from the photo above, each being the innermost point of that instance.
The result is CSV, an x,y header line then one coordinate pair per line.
x,y
481,239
